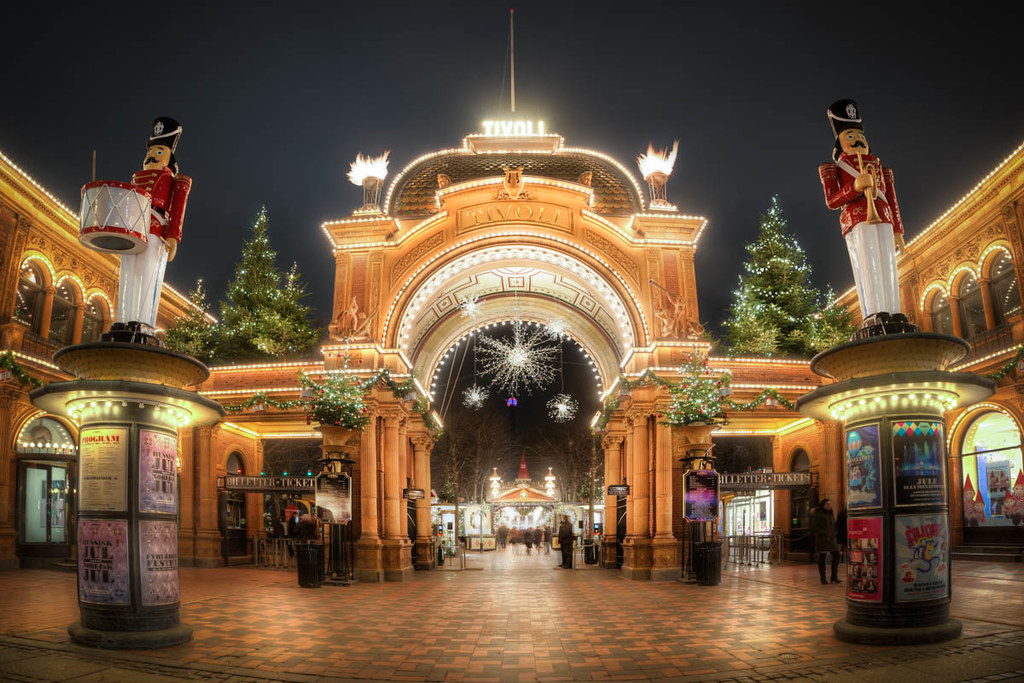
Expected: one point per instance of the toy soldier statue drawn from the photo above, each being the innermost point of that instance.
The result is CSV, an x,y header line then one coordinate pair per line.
x,y
858,184
142,275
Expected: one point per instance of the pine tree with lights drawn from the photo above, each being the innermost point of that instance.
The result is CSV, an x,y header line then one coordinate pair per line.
x,y
697,398
338,401
261,318
776,306
194,334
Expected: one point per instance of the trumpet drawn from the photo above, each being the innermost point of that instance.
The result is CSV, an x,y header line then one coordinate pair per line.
x,y
870,193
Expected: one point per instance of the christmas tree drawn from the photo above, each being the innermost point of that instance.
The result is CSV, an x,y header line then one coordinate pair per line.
x,y
195,334
262,319
777,311
698,396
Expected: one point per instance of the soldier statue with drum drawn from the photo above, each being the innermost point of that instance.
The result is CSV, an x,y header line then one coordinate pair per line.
x,y
141,222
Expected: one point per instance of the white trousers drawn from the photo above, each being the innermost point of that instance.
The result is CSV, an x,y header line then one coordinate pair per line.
x,y
873,257
142,278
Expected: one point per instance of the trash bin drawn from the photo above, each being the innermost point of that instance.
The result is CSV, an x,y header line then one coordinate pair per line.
x,y
309,558
707,560
590,552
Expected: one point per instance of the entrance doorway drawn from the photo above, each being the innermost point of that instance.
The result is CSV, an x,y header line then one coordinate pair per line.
x,y
47,467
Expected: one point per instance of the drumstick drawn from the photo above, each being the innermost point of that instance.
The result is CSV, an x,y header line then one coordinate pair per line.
x,y
94,165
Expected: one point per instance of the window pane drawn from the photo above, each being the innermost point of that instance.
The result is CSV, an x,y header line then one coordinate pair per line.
x,y
990,471
1005,293
92,322
60,321
29,297
972,308
942,318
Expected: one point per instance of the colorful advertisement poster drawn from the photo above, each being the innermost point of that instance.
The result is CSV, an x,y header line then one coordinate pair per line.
x,y
922,557
863,485
700,495
334,497
864,571
158,454
102,469
158,562
919,461
103,561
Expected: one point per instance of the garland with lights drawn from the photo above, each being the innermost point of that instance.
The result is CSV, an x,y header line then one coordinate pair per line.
x,y
8,363
1009,366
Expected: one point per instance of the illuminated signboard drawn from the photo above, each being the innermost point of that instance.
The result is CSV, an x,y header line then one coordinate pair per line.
x,y
513,128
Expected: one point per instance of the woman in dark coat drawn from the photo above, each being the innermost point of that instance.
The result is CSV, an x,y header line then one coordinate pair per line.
x,y
823,526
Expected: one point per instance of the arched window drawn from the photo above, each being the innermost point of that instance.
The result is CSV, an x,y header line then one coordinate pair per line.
x,y
92,321
942,317
62,318
30,296
235,466
991,460
972,307
1005,293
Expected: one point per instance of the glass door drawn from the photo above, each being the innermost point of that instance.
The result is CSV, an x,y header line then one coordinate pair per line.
x,y
44,515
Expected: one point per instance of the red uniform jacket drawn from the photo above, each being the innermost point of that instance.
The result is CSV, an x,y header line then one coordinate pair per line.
x,y
837,181
170,194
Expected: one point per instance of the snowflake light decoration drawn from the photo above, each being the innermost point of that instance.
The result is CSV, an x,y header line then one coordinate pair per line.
x,y
475,396
562,407
524,362
557,329
470,307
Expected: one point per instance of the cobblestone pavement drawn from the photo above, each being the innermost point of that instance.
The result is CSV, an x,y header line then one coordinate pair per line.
x,y
515,618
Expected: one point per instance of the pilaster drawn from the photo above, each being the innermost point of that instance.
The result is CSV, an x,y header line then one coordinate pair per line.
x,y
422,445
637,551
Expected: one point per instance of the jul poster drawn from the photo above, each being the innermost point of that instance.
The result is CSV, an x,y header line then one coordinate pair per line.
x,y
158,562
103,561
922,557
864,577
157,471
919,458
863,486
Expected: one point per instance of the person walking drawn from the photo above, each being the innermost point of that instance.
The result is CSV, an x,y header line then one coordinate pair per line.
x,y
547,539
528,540
565,541
538,537
823,526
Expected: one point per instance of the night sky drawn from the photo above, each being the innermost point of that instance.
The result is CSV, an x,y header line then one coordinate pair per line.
x,y
277,98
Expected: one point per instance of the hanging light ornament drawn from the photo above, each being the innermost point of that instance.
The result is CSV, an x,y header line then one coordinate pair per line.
x,y
524,362
557,329
470,307
562,407
475,396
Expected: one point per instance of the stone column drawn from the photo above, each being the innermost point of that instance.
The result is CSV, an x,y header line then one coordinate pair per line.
x,y
637,558
8,401
612,445
208,536
986,300
397,550
368,565
46,311
76,322
666,549
954,314
831,467
422,445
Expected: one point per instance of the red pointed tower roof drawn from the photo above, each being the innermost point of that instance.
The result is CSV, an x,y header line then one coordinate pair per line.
x,y
523,472
968,486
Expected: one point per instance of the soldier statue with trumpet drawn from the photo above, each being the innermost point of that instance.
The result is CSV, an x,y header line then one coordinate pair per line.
x,y
857,183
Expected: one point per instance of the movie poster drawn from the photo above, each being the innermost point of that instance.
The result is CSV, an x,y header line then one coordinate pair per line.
x,y
864,570
700,495
158,562
919,461
334,497
863,485
158,454
103,561
922,557
103,469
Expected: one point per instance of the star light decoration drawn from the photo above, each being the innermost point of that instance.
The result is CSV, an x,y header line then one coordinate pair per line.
x,y
475,396
562,407
470,307
522,363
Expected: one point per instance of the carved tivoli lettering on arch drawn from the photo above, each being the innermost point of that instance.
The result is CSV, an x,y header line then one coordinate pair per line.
x,y
482,215
620,257
402,264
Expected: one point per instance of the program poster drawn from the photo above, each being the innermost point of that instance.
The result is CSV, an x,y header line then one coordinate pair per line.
x,y
158,455
103,465
700,495
922,557
334,497
864,576
863,486
158,562
919,460
103,561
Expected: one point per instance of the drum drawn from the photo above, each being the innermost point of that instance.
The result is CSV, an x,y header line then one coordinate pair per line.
x,y
114,218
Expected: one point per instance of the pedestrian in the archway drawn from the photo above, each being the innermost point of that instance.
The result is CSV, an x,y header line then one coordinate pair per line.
x,y
547,539
823,526
565,541
528,540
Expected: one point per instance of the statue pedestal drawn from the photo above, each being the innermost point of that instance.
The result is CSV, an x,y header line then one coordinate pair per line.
x,y
129,402
891,394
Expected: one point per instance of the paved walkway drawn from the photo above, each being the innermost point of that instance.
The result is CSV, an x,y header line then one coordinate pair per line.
x,y
516,618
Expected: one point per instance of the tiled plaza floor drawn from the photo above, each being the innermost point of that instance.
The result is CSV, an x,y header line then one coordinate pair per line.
x,y
514,617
